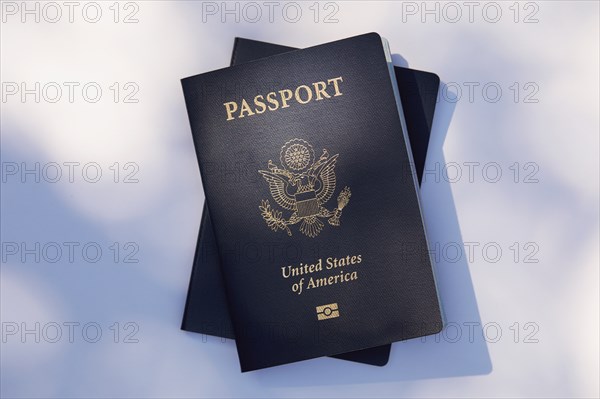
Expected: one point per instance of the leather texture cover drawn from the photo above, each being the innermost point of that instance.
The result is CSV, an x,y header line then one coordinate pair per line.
x,y
206,310
359,280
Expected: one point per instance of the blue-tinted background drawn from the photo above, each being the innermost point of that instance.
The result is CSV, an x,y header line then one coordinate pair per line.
x,y
95,267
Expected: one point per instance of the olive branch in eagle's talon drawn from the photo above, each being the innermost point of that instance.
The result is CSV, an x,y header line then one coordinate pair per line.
x,y
273,218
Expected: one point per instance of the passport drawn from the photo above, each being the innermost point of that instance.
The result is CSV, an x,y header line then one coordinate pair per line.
x,y
206,309
319,301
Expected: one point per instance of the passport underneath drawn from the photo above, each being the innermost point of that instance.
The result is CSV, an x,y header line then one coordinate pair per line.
x,y
345,288
206,310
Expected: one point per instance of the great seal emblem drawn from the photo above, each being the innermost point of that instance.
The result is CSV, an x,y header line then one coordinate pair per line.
x,y
303,186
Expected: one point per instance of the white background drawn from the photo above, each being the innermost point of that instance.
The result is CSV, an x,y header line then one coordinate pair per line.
x,y
538,305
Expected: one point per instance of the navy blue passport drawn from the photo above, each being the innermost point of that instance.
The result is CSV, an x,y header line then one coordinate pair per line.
x,y
282,307
206,309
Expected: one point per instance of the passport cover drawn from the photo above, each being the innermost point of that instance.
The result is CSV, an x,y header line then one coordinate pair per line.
x,y
206,309
356,285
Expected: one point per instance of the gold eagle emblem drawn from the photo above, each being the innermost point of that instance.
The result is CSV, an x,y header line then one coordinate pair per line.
x,y
303,186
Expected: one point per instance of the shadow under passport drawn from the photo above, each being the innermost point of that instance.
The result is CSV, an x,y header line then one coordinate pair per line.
x,y
460,349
